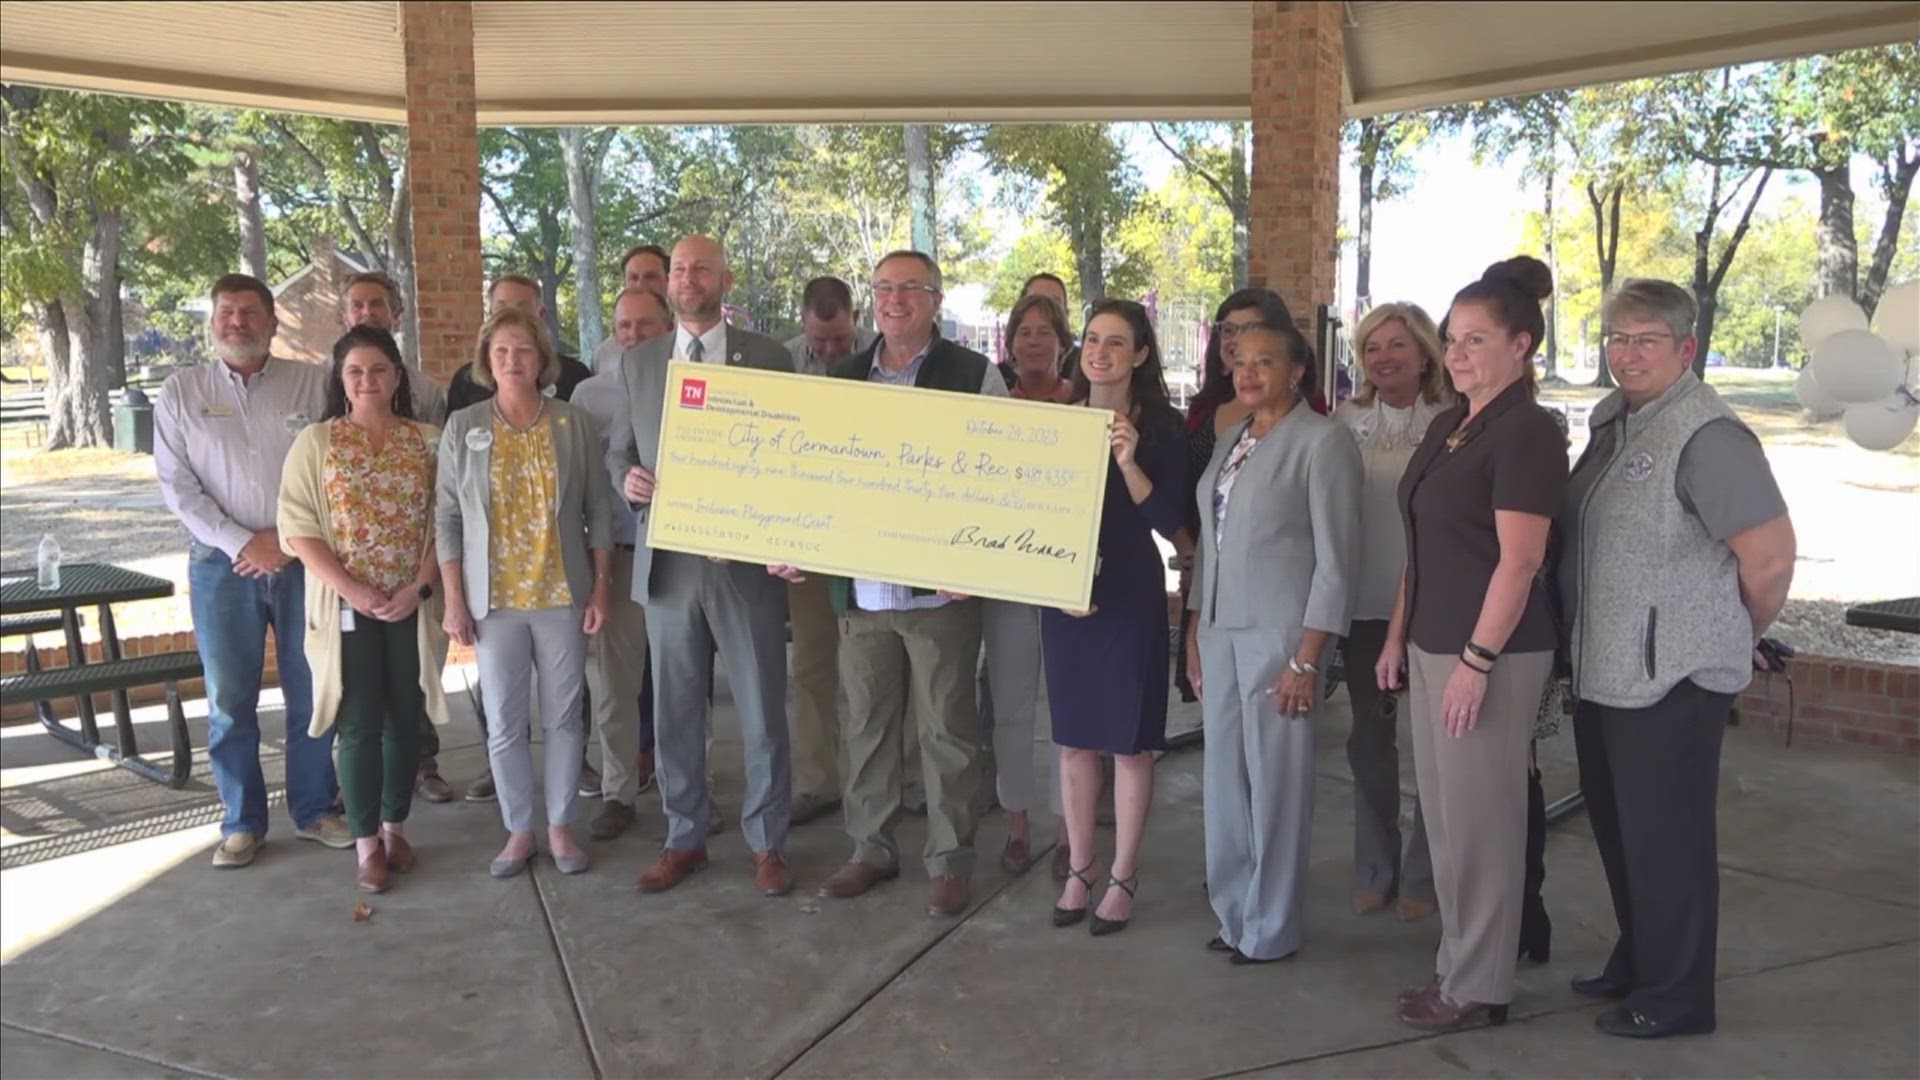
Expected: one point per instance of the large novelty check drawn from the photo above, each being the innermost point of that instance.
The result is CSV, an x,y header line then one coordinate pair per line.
x,y
977,495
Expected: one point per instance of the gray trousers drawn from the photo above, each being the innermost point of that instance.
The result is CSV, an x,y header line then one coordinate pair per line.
x,y
616,656
511,647
1258,775
697,607
1373,756
1010,696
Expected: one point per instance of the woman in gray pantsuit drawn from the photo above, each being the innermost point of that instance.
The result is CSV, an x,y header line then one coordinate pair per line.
x,y
526,542
1273,581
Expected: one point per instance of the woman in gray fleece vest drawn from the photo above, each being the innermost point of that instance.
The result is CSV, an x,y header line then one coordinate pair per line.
x,y
1676,554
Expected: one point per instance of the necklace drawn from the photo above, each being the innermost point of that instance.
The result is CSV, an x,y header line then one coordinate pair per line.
x,y
539,411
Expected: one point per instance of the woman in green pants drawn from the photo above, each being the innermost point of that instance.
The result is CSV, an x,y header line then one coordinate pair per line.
x,y
356,508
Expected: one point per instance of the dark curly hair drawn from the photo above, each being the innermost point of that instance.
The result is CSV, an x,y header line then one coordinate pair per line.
x,y
361,337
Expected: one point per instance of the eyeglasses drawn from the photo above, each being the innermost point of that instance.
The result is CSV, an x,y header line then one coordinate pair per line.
x,y
907,289
1636,342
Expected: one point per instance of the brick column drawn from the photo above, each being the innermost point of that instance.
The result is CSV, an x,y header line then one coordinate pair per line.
x,y
1294,196
443,178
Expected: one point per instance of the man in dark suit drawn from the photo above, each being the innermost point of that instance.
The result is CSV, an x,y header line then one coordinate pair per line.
x,y
697,605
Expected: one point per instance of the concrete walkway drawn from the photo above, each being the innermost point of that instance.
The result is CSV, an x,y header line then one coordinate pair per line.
x,y
126,955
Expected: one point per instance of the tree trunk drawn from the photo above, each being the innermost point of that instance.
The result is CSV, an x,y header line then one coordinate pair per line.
x,y
1707,279
400,263
1898,186
580,150
1606,244
549,279
1237,203
253,226
1369,156
1839,251
920,189
78,410
1084,234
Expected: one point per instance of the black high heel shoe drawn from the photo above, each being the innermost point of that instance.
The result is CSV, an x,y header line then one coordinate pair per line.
x,y
1100,927
1071,916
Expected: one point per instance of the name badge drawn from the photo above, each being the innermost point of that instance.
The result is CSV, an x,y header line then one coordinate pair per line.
x,y
346,617
296,421
479,440
216,410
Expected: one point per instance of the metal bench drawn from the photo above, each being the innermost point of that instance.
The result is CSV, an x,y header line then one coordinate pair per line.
x,y
26,626
169,669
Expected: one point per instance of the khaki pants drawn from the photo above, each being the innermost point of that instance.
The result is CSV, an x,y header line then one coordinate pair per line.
x,y
815,673
1473,794
616,661
930,657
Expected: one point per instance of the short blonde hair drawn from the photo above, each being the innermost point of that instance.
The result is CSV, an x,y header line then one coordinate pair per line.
x,y
542,340
1433,377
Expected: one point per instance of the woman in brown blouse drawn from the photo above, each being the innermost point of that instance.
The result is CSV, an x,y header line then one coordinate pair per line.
x,y
1473,627
1037,339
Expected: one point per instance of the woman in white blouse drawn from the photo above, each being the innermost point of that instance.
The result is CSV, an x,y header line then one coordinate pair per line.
x,y
1403,387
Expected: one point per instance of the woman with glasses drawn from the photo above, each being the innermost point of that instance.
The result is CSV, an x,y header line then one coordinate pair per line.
x,y
1677,553
1403,387
1473,626
355,508
1273,582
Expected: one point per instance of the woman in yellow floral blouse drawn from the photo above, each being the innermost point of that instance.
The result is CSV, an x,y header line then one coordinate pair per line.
x,y
526,538
354,500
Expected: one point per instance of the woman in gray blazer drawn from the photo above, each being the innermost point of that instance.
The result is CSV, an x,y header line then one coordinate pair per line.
x,y
1273,576
526,542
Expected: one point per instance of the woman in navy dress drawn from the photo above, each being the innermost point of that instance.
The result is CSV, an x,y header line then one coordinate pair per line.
x,y
1107,666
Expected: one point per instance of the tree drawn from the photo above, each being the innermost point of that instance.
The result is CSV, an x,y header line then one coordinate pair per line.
x,y
920,213
1383,148
1083,175
1216,155
583,151
80,164
1816,115
1536,129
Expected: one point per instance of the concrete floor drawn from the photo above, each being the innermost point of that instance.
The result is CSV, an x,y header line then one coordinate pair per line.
x,y
126,955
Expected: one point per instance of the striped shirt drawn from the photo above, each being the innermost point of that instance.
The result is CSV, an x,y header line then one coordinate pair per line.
x,y
220,442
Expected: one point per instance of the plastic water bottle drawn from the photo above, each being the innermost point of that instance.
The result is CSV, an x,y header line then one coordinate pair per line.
x,y
49,563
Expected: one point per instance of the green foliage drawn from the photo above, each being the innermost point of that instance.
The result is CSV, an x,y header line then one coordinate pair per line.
x,y
1081,176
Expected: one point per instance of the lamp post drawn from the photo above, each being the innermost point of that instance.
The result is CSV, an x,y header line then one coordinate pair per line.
x,y
1778,310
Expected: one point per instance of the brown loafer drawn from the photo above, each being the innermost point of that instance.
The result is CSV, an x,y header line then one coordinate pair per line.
x,y
399,854
1419,993
614,818
372,873
671,868
770,874
1414,910
1435,1013
856,878
1016,857
1366,902
947,895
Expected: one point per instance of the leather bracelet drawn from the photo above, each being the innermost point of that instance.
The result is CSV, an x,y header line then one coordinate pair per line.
x,y
1472,667
1483,653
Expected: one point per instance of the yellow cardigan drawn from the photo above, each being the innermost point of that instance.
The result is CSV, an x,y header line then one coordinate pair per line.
x,y
303,512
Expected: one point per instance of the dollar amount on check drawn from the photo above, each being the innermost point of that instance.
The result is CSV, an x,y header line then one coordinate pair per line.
x,y
977,495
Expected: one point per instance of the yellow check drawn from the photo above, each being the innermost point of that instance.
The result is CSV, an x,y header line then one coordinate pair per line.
x,y
977,495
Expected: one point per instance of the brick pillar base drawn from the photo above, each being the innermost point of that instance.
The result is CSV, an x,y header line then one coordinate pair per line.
x,y
443,177
1294,197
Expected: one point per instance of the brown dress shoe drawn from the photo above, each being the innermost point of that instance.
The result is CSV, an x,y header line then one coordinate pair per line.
x,y
1015,857
372,873
1366,901
1410,910
671,868
613,819
770,874
855,878
399,854
947,895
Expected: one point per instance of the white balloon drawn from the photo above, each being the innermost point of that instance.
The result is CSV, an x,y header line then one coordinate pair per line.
x,y
1882,425
1898,317
1828,316
1855,367
1818,405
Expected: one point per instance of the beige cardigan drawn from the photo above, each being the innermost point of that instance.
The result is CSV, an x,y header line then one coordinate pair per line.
x,y
303,512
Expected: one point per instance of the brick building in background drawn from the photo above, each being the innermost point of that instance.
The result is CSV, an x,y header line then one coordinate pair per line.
x,y
308,303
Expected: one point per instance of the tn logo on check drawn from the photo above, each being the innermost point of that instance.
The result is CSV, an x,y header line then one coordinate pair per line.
x,y
693,394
